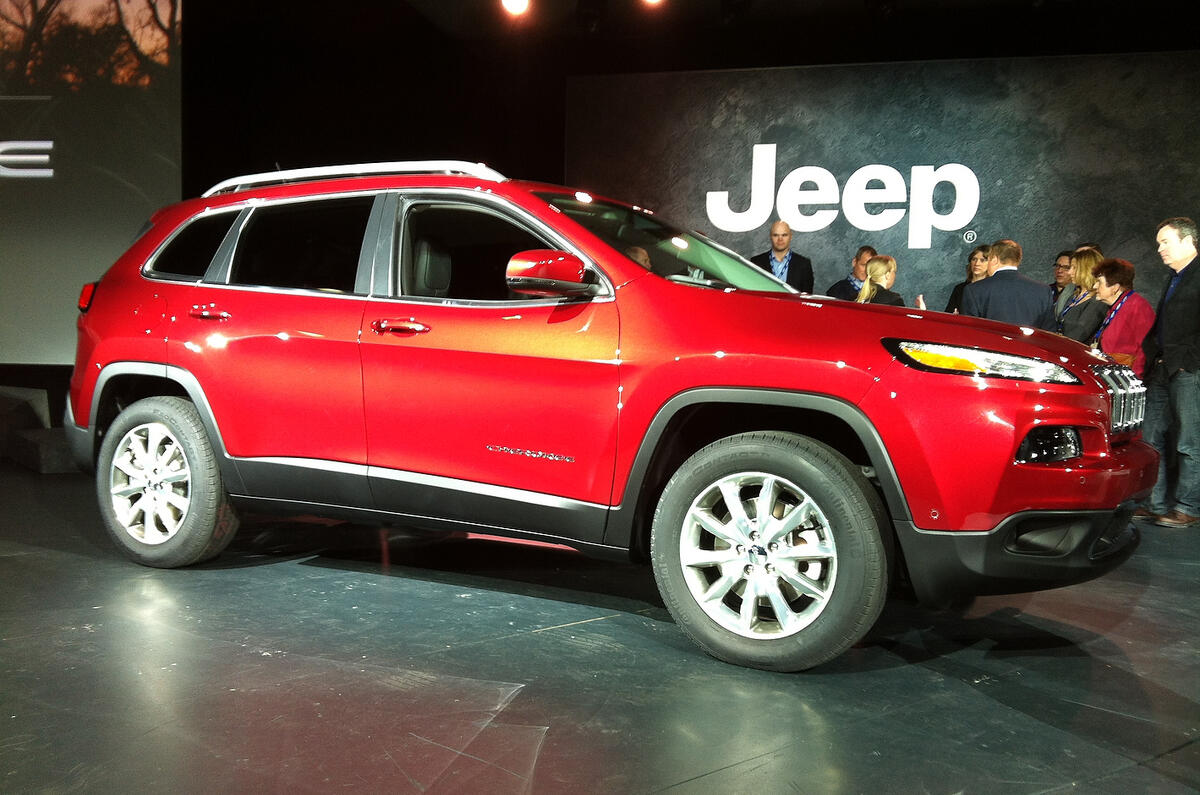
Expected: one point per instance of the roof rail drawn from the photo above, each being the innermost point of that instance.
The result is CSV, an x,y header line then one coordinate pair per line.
x,y
361,169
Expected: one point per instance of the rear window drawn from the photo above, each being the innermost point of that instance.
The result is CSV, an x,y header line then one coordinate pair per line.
x,y
189,252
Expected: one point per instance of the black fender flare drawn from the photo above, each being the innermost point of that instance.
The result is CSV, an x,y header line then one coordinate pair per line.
x,y
623,516
195,393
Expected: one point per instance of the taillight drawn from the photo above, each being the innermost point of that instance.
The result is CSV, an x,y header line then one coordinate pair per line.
x,y
85,296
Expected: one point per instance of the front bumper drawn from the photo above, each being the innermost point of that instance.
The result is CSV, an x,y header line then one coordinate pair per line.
x,y
1030,551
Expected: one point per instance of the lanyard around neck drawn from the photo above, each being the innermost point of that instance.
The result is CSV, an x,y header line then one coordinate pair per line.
x,y
1112,313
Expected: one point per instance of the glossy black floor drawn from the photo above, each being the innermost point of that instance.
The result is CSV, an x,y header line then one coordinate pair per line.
x,y
320,659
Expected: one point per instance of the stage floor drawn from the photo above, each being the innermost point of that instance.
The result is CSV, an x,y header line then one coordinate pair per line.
x,y
311,658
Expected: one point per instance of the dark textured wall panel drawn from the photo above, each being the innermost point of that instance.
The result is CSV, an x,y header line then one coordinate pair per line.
x,y
1064,150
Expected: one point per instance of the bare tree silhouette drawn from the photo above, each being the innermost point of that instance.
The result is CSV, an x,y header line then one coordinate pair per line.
x,y
26,23
48,45
154,32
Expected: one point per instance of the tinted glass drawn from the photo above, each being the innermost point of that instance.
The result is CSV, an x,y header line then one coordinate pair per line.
x,y
455,251
307,245
189,253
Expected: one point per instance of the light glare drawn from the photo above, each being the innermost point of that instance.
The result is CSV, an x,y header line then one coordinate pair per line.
x,y
515,7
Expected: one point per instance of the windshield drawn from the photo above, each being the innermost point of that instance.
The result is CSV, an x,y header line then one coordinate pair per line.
x,y
661,248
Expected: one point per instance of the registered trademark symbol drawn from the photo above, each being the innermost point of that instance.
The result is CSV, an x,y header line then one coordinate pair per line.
x,y
969,236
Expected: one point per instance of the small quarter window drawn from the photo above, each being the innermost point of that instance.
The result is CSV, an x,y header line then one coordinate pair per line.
x,y
308,245
189,253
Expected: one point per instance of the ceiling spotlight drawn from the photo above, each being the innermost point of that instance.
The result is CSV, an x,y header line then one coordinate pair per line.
x,y
515,7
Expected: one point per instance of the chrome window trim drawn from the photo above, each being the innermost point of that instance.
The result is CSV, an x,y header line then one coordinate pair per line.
x,y
259,288
217,274
504,209
221,270
386,247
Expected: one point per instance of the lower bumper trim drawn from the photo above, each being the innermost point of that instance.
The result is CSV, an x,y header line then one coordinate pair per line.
x,y
1029,551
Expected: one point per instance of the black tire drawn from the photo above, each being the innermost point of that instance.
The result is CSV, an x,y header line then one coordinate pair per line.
x,y
819,567
160,489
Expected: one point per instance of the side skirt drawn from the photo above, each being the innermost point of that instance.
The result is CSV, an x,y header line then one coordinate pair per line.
x,y
386,496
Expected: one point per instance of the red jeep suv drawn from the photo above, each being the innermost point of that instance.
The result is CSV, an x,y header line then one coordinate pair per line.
x,y
432,344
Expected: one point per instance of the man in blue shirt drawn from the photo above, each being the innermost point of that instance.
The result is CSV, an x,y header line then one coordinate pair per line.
x,y
1172,350
791,267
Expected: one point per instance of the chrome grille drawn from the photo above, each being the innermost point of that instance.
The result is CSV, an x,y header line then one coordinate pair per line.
x,y
1126,395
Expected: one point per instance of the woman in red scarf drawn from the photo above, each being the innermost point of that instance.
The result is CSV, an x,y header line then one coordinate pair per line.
x,y
1129,317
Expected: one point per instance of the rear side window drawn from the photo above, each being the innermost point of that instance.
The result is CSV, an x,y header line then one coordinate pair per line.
x,y
189,253
310,245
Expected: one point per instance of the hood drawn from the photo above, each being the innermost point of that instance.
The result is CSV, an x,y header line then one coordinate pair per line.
x,y
844,330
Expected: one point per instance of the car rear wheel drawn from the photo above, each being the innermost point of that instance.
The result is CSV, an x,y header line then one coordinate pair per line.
x,y
768,553
159,486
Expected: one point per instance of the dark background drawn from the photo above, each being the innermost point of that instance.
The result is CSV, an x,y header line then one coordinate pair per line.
x,y
298,82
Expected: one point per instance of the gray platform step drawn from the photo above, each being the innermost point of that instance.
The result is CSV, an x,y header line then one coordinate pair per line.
x,y
43,450
25,437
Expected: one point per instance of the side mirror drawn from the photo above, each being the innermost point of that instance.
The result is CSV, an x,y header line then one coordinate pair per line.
x,y
548,273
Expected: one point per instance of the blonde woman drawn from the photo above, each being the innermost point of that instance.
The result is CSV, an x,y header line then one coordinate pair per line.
x,y
1082,314
877,287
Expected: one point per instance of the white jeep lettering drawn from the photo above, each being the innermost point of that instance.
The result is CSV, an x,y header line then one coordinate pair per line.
x,y
858,194
808,198
762,177
923,219
793,195
23,158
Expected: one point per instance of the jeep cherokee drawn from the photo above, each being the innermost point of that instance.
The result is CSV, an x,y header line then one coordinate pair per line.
x,y
432,344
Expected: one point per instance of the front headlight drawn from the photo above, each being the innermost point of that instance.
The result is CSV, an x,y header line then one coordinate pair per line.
x,y
940,358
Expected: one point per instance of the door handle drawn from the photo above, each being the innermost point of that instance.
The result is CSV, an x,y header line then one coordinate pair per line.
x,y
209,312
392,326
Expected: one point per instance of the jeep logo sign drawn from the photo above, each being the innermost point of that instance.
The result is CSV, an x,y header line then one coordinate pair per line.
x,y
814,187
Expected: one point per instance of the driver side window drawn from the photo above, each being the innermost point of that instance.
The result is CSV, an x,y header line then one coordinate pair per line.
x,y
456,251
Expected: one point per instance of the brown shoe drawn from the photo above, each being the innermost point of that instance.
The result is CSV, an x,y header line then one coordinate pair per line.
x,y
1145,513
1177,518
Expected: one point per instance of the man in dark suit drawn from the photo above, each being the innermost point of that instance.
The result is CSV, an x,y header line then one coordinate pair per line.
x,y
795,269
1172,349
1006,295
847,289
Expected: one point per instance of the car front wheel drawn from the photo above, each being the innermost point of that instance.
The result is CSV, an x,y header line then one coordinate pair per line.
x,y
768,553
159,486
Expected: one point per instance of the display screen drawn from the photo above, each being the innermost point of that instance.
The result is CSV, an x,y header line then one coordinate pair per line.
x,y
89,147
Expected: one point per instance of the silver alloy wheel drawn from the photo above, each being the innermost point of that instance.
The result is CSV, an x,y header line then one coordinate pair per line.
x,y
758,555
150,483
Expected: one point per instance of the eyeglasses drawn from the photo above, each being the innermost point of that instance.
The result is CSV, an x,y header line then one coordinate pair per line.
x,y
1062,267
